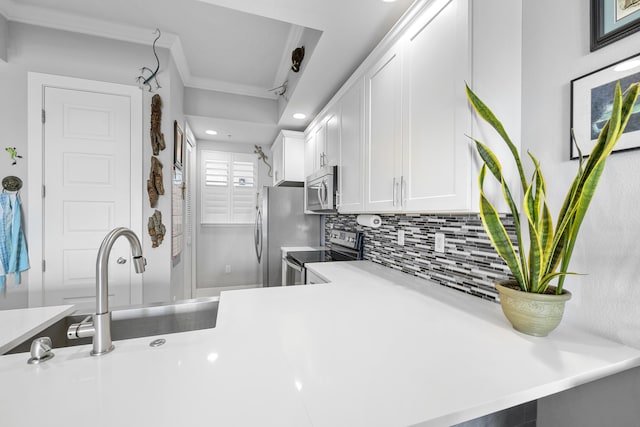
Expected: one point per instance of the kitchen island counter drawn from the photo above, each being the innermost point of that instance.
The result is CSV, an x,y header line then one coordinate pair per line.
x,y
374,347
18,324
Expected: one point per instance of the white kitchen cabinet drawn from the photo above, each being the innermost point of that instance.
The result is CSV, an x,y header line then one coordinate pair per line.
x,y
417,155
436,152
414,117
322,146
310,154
288,158
331,149
351,162
383,147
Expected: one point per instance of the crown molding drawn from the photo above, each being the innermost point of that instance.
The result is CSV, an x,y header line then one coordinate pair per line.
x,y
180,59
234,88
29,14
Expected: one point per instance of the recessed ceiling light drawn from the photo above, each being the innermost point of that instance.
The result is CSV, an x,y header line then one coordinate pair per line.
x,y
299,116
627,65
210,132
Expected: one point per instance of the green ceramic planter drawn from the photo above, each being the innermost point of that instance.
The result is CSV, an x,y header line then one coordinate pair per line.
x,y
530,313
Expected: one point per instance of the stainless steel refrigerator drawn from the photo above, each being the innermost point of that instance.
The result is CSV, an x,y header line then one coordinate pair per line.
x,y
280,221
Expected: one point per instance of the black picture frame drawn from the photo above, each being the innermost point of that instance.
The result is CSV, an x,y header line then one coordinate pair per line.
x,y
591,94
178,145
610,22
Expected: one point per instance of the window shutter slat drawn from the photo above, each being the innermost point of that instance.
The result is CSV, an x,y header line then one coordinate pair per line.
x,y
228,187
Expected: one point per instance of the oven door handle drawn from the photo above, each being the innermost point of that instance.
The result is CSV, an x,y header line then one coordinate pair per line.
x,y
320,195
294,266
325,195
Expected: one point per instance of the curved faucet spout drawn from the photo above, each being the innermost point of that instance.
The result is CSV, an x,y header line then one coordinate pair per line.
x,y
102,264
102,319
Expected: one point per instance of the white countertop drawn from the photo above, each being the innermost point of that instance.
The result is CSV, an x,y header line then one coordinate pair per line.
x,y
17,325
373,348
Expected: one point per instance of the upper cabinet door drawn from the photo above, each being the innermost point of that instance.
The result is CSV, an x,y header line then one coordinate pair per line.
x,y
331,152
288,158
383,147
436,163
277,152
321,146
310,154
351,170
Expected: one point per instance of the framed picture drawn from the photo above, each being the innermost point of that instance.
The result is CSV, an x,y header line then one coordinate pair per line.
x,y
178,145
591,101
613,20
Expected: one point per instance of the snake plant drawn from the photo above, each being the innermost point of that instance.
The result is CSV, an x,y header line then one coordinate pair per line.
x,y
550,246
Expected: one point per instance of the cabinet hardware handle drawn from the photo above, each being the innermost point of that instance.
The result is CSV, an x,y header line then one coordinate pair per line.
x,y
403,191
394,191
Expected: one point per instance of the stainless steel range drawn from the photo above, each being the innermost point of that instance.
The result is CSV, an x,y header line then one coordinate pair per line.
x,y
345,246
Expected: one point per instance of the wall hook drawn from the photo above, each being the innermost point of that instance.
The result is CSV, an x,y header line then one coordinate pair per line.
x,y
11,183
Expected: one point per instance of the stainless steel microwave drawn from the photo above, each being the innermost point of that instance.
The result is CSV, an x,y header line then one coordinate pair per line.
x,y
320,189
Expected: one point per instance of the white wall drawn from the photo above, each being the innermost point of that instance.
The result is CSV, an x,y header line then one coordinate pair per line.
x,y
32,48
497,80
221,245
606,301
177,113
4,35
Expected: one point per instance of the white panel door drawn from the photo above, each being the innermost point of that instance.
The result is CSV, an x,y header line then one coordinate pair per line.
x,y
87,169
384,133
435,116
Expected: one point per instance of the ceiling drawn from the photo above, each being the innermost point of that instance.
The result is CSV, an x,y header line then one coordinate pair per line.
x,y
240,47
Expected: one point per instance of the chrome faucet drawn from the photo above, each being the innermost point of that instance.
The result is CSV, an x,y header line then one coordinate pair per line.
x,y
100,327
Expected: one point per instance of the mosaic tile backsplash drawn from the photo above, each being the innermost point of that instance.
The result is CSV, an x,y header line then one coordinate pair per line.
x,y
468,264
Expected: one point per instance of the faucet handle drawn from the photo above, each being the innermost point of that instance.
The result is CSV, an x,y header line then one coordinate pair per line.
x,y
40,350
83,329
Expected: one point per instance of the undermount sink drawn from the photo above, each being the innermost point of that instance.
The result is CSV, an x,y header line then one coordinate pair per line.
x,y
137,322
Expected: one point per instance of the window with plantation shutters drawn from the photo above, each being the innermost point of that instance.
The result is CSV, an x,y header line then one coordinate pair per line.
x,y
228,186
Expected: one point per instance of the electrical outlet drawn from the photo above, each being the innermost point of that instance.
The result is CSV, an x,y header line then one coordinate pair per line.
x,y
227,269
440,242
401,237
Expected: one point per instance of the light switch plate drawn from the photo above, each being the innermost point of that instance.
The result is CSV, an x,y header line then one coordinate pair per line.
x,y
440,242
401,237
